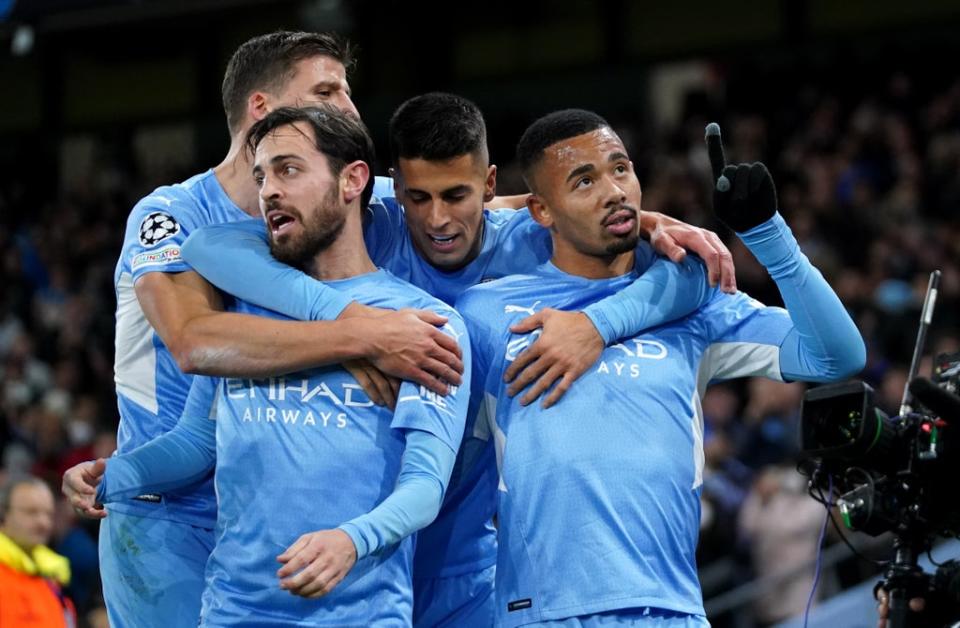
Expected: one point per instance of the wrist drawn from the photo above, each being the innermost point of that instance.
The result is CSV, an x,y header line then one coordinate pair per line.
x,y
358,334
604,326
353,532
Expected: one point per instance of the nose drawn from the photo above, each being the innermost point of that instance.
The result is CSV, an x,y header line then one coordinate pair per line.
x,y
614,191
437,215
269,188
345,104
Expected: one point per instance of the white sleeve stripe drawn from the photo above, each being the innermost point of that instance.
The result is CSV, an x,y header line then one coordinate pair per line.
x,y
727,360
698,455
499,438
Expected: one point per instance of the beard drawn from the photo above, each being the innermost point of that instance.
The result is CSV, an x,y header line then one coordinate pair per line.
x,y
626,243
319,231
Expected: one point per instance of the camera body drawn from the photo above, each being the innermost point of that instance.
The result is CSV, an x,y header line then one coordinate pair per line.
x,y
892,473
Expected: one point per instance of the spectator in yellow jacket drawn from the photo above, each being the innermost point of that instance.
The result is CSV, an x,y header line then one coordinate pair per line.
x,y
31,574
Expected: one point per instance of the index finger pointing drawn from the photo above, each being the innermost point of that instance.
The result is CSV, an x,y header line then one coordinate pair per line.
x,y
715,150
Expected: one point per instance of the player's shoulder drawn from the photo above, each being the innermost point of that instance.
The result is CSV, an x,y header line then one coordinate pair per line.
x,y
489,295
398,293
509,219
186,196
169,208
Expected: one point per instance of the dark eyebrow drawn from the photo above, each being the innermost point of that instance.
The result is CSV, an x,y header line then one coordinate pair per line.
x,y
332,85
278,158
579,170
457,189
619,156
274,160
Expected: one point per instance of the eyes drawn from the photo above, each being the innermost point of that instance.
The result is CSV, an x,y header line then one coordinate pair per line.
x,y
417,197
285,171
619,169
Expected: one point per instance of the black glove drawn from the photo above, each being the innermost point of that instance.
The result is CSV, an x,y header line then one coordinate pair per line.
x,y
744,195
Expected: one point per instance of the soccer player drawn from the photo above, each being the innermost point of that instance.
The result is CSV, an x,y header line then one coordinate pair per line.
x,y
154,547
444,241
306,466
599,494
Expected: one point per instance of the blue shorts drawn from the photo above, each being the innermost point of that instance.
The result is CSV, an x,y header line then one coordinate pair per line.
x,y
464,600
152,571
644,617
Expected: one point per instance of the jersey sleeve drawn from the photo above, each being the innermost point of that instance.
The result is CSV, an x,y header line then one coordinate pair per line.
x,y
235,257
444,416
813,339
424,472
664,292
176,459
156,229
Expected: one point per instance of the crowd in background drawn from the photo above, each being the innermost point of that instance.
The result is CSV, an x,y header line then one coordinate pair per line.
x,y
870,186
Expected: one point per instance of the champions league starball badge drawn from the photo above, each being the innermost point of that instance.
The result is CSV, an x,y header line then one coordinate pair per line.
x,y
157,227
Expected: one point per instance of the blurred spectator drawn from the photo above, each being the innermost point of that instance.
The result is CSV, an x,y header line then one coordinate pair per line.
x,y
772,421
780,525
31,574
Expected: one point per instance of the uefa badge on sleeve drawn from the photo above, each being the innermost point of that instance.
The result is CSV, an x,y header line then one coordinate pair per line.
x,y
157,227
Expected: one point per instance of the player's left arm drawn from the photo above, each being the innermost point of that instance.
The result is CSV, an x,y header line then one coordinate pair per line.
x,y
572,341
433,428
823,343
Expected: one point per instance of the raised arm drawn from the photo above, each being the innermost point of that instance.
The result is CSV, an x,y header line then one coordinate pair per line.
x,y
823,343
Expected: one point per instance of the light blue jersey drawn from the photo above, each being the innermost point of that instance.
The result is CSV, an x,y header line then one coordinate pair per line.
x,y
151,388
462,540
599,503
309,451
154,547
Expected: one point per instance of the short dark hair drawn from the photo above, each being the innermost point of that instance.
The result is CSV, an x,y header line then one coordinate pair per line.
x,y
436,127
550,129
341,137
266,63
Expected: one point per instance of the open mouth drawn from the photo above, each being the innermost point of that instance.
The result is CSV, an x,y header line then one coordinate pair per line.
x,y
442,243
621,222
279,221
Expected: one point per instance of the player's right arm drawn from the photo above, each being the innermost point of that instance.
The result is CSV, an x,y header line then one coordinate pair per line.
x,y
185,312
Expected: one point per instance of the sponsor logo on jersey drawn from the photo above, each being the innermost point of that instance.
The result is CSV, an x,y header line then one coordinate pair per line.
x,y
429,398
157,227
513,309
632,351
302,396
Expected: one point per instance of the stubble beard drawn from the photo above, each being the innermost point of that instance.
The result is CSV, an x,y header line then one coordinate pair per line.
x,y
320,230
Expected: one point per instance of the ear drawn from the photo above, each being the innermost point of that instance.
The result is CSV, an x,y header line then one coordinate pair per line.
x,y
258,106
490,185
353,179
539,211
